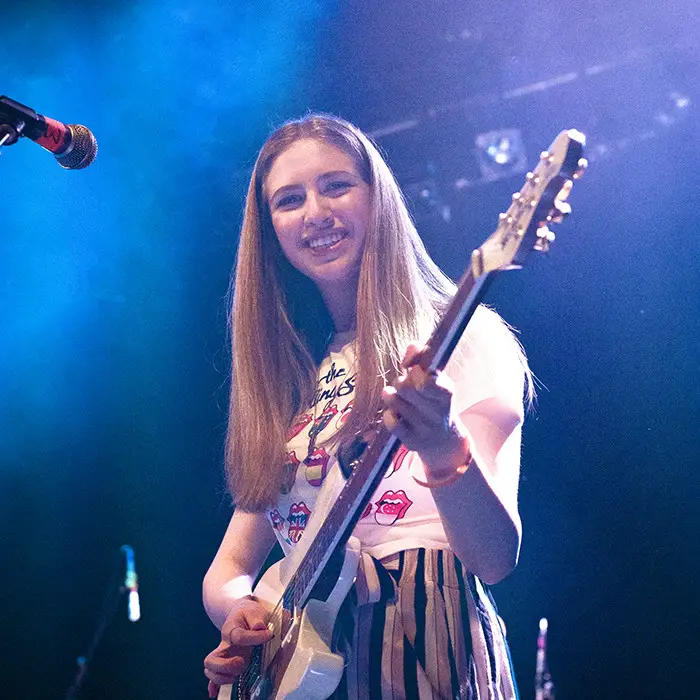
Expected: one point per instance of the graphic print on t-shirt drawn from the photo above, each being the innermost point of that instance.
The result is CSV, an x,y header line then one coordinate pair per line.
x,y
322,421
278,524
397,461
338,390
299,424
310,455
391,506
297,519
316,466
343,415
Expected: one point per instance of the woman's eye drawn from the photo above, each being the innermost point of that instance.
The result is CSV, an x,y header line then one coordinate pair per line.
x,y
289,200
337,185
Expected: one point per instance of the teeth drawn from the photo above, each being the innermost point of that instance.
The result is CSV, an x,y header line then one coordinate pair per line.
x,y
325,241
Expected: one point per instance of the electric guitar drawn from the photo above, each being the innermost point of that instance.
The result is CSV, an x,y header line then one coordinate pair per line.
x,y
306,589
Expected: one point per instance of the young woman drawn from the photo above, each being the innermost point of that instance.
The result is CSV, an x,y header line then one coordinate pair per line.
x,y
334,293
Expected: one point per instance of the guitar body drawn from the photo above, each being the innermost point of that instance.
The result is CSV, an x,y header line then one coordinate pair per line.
x,y
305,666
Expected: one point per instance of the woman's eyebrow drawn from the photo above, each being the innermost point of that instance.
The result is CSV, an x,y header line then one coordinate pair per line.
x,y
336,173
323,176
282,190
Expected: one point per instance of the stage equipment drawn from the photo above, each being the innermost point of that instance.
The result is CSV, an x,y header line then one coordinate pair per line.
x,y
608,96
426,197
544,688
129,583
676,108
501,154
73,145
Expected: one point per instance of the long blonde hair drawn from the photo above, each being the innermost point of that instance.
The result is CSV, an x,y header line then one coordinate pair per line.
x,y
281,327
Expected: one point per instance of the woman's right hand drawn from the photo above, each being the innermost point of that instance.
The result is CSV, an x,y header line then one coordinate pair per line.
x,y
244,628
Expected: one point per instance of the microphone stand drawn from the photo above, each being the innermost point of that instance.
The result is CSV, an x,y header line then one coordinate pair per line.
x,y
109,608
544,687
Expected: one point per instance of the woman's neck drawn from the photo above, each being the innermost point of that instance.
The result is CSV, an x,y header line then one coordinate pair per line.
x,y
342,308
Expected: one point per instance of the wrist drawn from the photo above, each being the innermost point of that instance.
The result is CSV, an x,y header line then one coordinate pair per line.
x,y
448,468
448,457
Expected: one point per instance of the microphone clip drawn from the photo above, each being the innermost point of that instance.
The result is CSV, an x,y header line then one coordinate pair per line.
x,y
14,119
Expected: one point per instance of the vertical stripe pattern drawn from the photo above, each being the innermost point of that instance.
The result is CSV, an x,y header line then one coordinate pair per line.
x,y
420,628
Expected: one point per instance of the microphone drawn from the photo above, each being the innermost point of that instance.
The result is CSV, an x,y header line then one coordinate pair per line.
x,y
131,583
73,145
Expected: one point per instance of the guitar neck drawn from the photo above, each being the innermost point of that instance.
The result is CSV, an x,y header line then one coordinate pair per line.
x,y
449,330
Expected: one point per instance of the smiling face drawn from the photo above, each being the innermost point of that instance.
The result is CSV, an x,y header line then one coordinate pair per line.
x,y
320,209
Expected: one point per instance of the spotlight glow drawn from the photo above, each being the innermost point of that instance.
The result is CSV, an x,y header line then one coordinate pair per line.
x,y
501,154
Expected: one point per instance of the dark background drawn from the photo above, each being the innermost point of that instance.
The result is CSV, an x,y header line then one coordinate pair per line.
x,y
113,358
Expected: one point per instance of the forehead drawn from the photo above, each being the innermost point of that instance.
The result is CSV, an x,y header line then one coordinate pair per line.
x,y
305,160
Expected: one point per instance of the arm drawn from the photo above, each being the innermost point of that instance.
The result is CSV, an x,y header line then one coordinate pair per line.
x,y
242,553
479,509
226,591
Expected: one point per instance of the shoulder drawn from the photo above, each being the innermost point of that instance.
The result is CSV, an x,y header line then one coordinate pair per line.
x,y
488,361
487,333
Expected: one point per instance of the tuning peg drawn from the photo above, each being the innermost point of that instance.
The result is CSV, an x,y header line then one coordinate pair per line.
x,y
545,238
565,191
563,209
582,165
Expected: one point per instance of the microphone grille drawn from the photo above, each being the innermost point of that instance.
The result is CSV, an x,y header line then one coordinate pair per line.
x,y
82,150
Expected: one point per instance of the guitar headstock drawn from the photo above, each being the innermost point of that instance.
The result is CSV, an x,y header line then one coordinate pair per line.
x,y
540,202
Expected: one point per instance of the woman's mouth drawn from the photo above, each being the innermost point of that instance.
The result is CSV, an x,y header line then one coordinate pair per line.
x,y
327,241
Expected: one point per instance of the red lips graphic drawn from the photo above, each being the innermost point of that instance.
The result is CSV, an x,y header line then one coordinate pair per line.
x,y
397,461
277,520
316,466
343,415
299,425
298,517
391,506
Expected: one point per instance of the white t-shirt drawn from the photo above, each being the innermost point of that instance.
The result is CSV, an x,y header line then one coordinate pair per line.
x,y
401,514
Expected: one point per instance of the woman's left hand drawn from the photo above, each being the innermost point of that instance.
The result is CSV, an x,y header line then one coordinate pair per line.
x,y
418,410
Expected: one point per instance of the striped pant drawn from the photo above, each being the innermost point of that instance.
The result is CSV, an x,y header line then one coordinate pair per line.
x,y
417,627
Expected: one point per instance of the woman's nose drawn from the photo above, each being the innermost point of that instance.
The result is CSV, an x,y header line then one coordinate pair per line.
x,y
317,212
